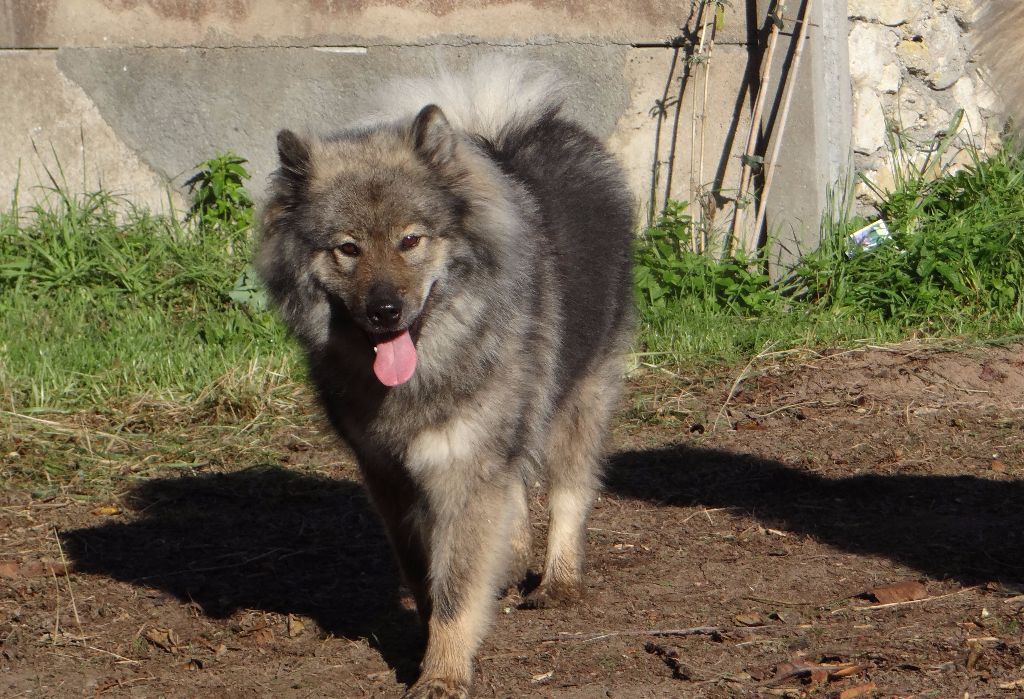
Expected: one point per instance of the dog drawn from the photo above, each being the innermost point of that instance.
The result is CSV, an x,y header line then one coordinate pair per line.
x,y
999,41
457,268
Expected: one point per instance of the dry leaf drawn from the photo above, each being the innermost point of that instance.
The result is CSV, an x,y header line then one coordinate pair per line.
x,y
906,591
107,510
818,676
543,677
1016,684
31,569
295,626
858,691
749,619
813,673
55,567
262,637
846,671
973,655
165,639
787,669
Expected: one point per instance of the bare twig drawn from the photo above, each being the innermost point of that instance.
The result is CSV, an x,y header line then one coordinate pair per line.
x,y
208,569
706,512
67,579
739,379
121,658
56,616
703,56
801,670
890,605
690,631
696,57
704,103
784,407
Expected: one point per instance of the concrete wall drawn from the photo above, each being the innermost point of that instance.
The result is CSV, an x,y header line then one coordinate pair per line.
x,y
132,94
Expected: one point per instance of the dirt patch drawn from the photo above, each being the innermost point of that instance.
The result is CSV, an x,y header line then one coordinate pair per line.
x,y
734,553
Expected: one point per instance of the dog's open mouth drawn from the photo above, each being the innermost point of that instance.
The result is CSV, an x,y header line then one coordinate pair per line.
x,y
396,357
395,360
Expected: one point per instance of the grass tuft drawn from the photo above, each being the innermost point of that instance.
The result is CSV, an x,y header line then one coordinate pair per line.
x,y
102,301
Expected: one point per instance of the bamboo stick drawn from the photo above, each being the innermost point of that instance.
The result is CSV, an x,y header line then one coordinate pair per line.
x,y
695,58
699,209
755,124
805,30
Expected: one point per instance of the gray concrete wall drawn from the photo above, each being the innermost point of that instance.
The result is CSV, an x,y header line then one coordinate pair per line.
x,y
132,94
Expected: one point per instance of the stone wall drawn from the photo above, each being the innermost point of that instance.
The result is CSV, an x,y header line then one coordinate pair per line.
x,y
911,70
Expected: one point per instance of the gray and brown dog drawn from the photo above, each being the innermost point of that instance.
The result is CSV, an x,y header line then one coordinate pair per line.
x,y
458,272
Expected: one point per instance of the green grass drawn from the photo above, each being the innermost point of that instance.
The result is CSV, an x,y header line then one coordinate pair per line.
x,y
103,302
134,344
953,267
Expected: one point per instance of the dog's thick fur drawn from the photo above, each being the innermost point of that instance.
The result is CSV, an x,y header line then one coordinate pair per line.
x,y
498,234
999,41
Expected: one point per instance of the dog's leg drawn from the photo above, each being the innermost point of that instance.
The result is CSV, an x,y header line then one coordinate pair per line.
x,y
469,553
574,453
520,537
394,497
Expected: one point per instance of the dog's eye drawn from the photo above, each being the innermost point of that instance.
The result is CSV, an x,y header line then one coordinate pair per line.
x,y
350,249
409,242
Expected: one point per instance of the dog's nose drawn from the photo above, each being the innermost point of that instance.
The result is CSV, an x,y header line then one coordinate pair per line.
x,y
384,308
384,315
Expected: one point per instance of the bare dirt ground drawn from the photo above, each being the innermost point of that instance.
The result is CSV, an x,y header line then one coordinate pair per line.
x,y
759,514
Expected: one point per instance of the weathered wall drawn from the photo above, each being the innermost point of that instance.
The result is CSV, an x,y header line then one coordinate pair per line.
x,y
911,67
227,23
132,94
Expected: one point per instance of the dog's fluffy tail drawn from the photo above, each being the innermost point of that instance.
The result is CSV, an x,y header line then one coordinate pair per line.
x,y
999,41
494,93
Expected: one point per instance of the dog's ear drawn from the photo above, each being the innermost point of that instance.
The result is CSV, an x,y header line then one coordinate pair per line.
x,y
294,154
432,136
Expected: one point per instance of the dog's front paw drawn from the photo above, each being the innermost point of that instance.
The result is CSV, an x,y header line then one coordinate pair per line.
x,y
434,688
549,595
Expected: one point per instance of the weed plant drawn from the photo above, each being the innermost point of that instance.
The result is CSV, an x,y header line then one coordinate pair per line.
x,y
953,266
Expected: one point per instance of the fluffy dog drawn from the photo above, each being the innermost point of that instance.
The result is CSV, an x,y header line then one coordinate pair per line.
x,y
457,269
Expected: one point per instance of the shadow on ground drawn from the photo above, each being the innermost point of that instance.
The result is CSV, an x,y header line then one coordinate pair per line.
x,y
961,527
262,538
267,538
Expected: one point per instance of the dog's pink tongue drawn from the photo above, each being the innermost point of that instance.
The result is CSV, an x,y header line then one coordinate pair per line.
x,y
396,360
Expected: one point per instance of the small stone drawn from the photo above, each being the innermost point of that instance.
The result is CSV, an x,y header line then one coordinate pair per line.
x,y
868,121
873,60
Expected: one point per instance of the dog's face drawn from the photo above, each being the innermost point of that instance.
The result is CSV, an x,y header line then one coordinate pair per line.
x,y
378,221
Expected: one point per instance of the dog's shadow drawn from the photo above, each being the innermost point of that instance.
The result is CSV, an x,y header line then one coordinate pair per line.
x,y
263,538
967,528
272,539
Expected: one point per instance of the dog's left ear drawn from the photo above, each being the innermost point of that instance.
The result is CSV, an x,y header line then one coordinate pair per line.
x,y
433,137
293,152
